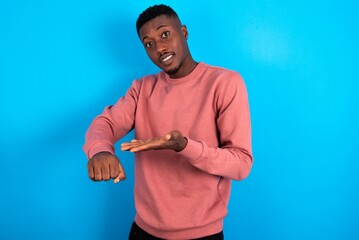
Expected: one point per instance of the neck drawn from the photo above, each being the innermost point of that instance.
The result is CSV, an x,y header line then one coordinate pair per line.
x,y
187,67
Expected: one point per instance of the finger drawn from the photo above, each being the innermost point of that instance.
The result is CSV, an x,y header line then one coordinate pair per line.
x,y
121,176
91,171
129,143
145,147
152,144
127,146
98,173
168,137
105,170
114,170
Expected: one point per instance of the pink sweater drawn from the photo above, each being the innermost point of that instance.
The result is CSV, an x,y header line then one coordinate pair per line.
x,y
182,195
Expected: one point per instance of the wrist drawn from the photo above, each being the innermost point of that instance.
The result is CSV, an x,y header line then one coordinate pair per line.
x,y
182,143
102,153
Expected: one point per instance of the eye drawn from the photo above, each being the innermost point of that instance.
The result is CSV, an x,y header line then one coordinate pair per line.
x,y
165,34
149,44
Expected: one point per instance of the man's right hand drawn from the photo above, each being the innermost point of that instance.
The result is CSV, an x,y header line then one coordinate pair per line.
x,y
104,166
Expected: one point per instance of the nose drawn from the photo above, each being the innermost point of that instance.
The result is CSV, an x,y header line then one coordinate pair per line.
x,y
160,47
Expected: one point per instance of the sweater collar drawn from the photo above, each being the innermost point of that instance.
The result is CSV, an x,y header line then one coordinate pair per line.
x,y
190,76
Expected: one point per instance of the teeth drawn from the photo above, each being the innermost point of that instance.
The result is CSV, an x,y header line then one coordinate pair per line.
x,y
167,58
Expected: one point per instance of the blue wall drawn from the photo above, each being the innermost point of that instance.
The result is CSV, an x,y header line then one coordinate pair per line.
x,y
62,61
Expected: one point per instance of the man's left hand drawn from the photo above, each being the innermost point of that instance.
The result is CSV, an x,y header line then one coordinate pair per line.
x,y
172,140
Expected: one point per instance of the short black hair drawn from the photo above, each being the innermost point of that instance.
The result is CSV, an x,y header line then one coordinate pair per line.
x,y
152,12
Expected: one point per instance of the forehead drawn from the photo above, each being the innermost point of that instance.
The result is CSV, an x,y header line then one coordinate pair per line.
x,y
154,24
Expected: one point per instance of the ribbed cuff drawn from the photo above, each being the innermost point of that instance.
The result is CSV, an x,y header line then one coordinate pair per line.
x,y
100,147
193,151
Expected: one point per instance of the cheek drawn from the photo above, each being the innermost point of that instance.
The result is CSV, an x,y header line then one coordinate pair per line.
x,y
180,47
153,57
150,54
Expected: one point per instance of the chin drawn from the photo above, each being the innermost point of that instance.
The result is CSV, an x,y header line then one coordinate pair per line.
x,y
172,71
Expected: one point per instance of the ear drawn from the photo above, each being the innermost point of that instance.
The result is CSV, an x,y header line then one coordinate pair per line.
x,y
185,31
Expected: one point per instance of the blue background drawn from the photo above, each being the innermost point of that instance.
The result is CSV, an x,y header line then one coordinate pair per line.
x,y
62,61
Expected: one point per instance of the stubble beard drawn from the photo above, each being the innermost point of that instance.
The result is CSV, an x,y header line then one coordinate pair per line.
x,y
175,69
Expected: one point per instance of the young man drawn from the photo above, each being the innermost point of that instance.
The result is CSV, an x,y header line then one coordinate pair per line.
x,y
193,135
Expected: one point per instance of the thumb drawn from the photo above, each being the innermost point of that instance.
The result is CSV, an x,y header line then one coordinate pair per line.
x,y
168,136
121,175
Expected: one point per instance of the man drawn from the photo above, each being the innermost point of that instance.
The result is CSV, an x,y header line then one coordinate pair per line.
x,y
193,135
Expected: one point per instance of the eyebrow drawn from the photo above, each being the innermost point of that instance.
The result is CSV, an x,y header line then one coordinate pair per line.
x,y
160,26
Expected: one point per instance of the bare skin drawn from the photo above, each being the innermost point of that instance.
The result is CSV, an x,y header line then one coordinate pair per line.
x,y
105,166
165,41
172,140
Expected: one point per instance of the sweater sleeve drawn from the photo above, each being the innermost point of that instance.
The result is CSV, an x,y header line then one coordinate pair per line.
x,y
114,123
233,157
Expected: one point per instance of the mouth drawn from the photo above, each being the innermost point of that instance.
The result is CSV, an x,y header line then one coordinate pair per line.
x,y
166,58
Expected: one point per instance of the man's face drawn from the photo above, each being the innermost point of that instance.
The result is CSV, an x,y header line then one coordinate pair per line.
x,y
165,42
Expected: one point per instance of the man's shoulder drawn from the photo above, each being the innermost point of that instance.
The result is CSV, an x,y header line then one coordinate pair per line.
x,y
150,77
146,82
214,68
220,72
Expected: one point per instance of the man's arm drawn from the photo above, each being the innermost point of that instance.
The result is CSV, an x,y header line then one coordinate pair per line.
x,y
230,162
233,157
105,130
